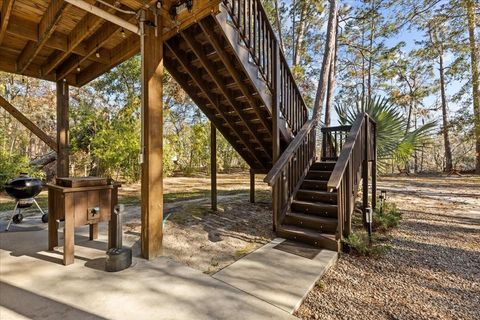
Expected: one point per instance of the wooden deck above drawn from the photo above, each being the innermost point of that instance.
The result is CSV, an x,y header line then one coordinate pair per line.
x,y
55,40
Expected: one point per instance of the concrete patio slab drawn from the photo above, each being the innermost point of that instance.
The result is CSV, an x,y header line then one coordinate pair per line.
x,y
277,277
34,284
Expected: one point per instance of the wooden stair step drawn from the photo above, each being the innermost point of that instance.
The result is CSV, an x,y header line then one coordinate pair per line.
x,y
313,195
319,185
323,240
325,165
322,224
318,208
318,175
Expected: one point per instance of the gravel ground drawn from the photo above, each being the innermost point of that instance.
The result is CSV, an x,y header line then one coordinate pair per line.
x,y
433,270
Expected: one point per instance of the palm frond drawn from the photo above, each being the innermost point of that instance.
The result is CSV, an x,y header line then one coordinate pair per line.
x,y
392,138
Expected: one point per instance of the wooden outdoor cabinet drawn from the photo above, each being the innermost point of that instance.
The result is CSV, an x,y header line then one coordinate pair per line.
x,y
79,202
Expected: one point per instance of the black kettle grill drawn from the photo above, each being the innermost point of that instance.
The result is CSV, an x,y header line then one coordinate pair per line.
x,y
24,189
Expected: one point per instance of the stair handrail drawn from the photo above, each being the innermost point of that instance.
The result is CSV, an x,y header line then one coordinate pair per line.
x,y
359,149
263,51
348,149
288,154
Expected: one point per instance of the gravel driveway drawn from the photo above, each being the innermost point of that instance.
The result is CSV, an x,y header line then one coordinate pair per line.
x,y
433,270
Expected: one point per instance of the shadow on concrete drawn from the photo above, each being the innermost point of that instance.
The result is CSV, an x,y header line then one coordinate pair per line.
x,y
34,306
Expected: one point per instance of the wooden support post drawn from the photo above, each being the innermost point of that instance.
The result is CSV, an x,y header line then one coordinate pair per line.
x,y
152,144
62,129
276,135
365,171
252,186
213,165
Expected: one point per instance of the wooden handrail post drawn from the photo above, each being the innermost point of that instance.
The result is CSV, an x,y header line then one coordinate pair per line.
x,y
365,169
374,167
276,135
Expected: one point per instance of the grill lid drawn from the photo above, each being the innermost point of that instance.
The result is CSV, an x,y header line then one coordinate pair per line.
x,y
23,187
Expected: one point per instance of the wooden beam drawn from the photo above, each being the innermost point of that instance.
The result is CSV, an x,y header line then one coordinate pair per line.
x,y
7,64
14,112
93,45
27,30
5,17
62,129
213,165
120,53
45,29
104,15
152,148
88,25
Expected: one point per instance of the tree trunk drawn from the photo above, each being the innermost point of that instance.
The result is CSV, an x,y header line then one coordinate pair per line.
x,y
446,139
327,57
331,80
470,8
370,53
297,54
279,26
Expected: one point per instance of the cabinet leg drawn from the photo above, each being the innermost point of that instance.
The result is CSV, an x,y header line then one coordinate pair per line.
x,y
69,244
93,231
52,233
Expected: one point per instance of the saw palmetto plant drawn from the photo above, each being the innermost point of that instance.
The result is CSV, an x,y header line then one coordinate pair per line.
x,y
393,138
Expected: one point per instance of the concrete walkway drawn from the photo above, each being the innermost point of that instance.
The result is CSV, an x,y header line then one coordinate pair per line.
x,y
278,277
35,285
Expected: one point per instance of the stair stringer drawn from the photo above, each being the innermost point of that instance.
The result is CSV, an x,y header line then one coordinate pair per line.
x,y
232,35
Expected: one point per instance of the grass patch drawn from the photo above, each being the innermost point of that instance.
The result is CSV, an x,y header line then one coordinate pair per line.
x,y
358,243
244,251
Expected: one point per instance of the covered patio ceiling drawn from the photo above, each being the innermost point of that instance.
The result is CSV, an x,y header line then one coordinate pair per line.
x,y
55,40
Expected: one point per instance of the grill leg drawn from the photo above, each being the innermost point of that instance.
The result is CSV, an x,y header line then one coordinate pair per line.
x,y
11,218
36,203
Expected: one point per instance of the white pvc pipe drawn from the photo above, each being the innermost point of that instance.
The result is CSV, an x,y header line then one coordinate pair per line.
x,y
104,15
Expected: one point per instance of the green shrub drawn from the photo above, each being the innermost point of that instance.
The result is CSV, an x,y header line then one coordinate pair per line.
x,y
11,165
390,217
358,243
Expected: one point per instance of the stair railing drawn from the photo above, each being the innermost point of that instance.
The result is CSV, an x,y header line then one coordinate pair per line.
x,y
333,139
258,37
287,174
352,167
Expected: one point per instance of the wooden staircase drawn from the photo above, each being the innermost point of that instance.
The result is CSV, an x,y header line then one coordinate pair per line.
x,y
312,217
232,67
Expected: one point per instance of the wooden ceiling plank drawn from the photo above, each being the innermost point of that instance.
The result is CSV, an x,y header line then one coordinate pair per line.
x,y
88,25
120,53
7,6
28,30
45,29
93,45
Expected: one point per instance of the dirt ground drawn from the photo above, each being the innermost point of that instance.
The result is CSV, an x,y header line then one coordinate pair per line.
x,y
433,270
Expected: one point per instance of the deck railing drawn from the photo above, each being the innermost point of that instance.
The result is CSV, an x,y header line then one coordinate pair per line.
x,y
352,166
256,32
333,139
